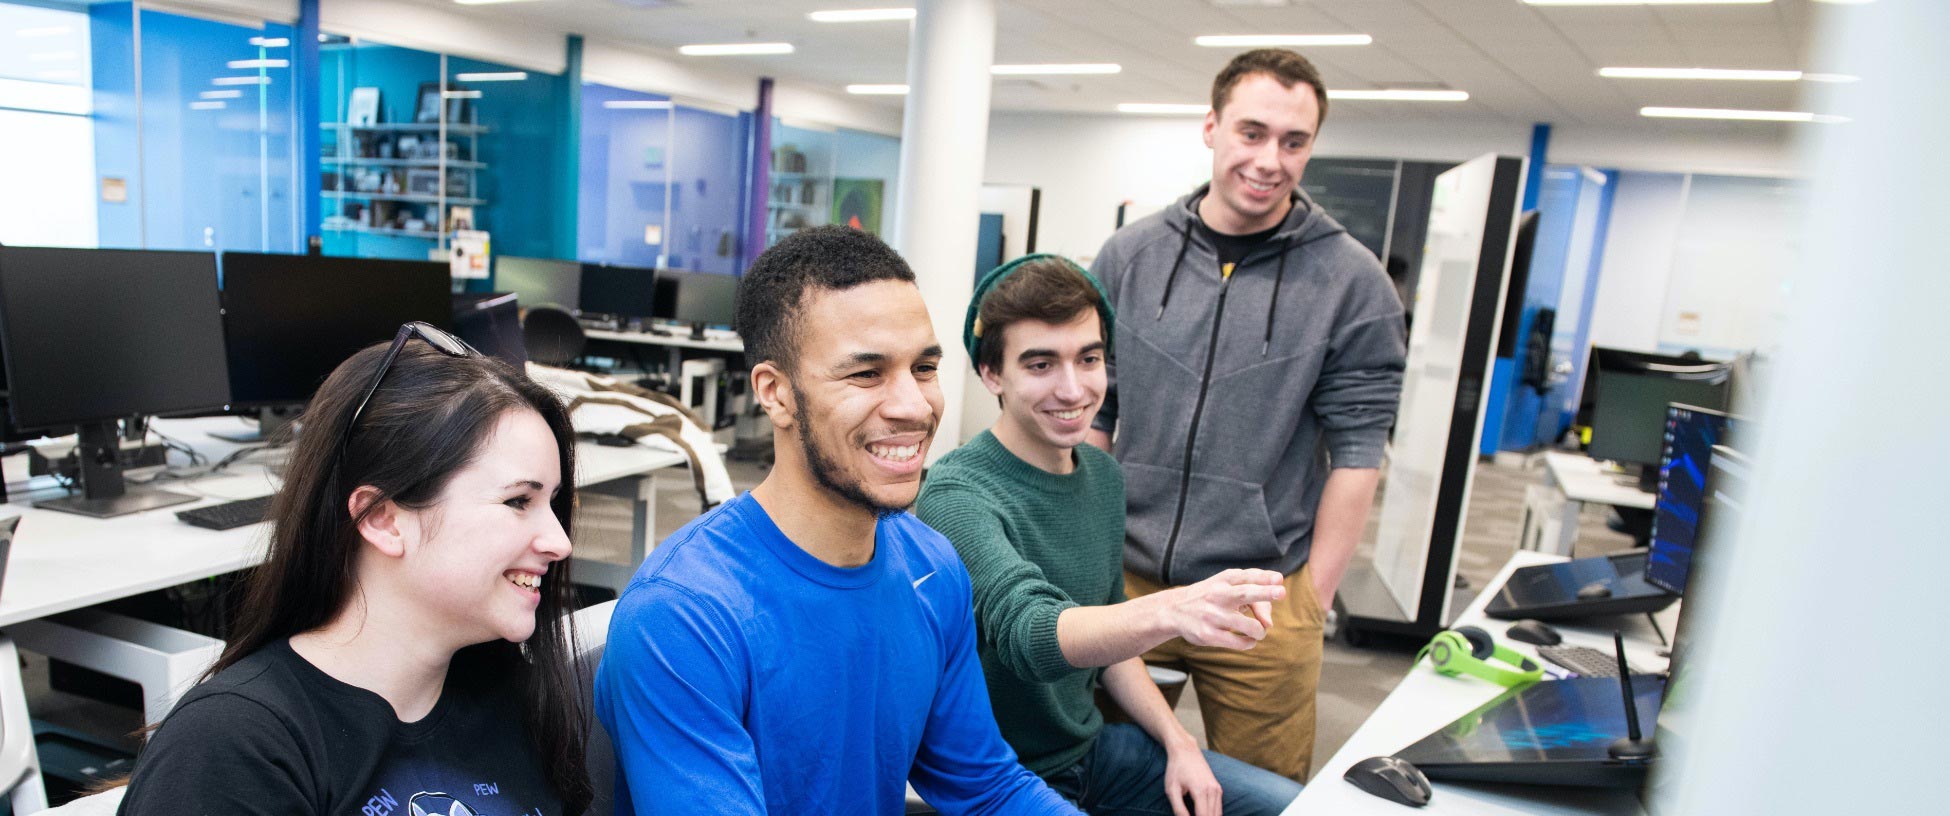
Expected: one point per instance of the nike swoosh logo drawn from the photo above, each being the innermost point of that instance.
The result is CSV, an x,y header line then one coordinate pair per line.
x,y
923,579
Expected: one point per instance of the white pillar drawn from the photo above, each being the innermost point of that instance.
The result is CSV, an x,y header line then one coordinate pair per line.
x,y
1819,685
944,136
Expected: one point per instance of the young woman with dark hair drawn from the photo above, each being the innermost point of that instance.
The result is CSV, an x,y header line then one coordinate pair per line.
x,y
404,644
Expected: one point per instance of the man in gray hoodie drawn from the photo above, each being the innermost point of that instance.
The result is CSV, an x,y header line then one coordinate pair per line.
x,y
1259,363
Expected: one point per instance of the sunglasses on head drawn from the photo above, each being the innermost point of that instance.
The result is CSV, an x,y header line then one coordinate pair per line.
x,y
440,340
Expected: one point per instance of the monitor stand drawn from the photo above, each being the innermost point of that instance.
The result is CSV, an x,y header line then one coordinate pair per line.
x,y
271,422
98,453
697,331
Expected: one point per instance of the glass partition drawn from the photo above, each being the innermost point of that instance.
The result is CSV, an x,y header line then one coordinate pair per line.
x,y
625,192
218,112
47,135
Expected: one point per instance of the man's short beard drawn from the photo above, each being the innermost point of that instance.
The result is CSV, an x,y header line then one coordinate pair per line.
x,y
823,469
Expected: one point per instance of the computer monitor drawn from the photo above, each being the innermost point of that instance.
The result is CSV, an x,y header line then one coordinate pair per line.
x,y
618,291
491,323
540,281
698,298
1628,418
1691,434
92,336
291,319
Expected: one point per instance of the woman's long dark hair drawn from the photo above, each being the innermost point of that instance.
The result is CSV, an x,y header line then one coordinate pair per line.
x,y
428,420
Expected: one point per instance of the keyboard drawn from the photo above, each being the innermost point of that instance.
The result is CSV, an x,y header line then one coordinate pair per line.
x,y
1581,660
227,515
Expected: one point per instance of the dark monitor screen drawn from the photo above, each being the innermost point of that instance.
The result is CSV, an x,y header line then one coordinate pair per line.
x,y
491,323
624,291
292,319
1628,420
1677,514
700,297
540,281
97,334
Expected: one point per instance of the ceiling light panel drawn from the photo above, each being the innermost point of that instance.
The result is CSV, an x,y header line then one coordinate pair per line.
x,y
1278,40
1740,115
877,90
734,49
492,76
1163,108
873,15
1399,95
1737,74
1647,2
1053,69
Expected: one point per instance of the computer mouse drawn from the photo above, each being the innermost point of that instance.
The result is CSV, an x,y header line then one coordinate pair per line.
x,y
1533,632
1594,591
1391,778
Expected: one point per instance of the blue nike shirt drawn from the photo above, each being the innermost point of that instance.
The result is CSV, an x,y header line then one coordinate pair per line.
x,y
742,676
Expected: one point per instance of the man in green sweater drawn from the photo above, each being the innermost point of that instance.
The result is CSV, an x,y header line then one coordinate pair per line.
x,y
1038,517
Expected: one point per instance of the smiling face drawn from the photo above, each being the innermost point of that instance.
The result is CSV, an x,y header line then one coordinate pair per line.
x,y
1260,142
480,553
1051,383
865,398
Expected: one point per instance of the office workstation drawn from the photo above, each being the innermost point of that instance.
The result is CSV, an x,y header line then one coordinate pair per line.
x,y
1486,406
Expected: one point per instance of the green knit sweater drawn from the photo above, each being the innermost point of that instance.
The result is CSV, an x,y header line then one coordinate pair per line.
x,y
1035,544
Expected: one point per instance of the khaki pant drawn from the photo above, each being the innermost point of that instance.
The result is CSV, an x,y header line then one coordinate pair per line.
x,y
1258,704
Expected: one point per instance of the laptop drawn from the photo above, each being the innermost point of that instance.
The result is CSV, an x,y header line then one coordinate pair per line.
x,y
1638,582
1556,732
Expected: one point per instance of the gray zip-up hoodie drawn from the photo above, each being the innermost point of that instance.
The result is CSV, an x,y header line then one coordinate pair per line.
x,y
1232,395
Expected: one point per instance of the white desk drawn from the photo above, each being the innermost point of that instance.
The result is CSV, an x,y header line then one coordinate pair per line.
x,y
713,341
1426,701
61,561
1550,511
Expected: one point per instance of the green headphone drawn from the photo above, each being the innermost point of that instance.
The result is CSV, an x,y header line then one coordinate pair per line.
x,y
971,328
1468,650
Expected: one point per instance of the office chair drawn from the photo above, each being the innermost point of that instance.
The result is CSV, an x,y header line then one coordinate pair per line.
x,y
552,336
20,765
592,633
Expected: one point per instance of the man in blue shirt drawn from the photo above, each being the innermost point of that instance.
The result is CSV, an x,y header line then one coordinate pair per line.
x,y
809,647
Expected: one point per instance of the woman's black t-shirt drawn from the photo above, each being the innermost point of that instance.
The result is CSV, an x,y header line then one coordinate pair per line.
x,y
273,734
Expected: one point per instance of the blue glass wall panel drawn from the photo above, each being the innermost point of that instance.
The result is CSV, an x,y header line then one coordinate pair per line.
x,y
707,169
625,193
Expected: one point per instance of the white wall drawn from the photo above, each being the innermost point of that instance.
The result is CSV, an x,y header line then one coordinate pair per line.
x,y
1087,164
1697,262
1632,278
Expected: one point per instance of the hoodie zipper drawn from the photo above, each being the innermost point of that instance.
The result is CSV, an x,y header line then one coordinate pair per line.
x,y
1191,436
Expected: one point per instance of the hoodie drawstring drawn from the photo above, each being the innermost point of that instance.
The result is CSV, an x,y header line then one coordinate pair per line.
x,y
1273,303
1173,277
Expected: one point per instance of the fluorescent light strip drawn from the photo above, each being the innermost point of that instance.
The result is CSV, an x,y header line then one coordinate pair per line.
x,y
486,2
1166,109
270,42
1053,69
207,106
1830,78
1273,40
42,31
861,15
1740,115
637,104
1700,73
245,80
734,49
1401,95
460,94
221,94
493,76
877,90
257,63
1645,2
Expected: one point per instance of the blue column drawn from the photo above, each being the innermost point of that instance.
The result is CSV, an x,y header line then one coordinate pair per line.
x,y
761,189
569,157
306,79
1504,371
